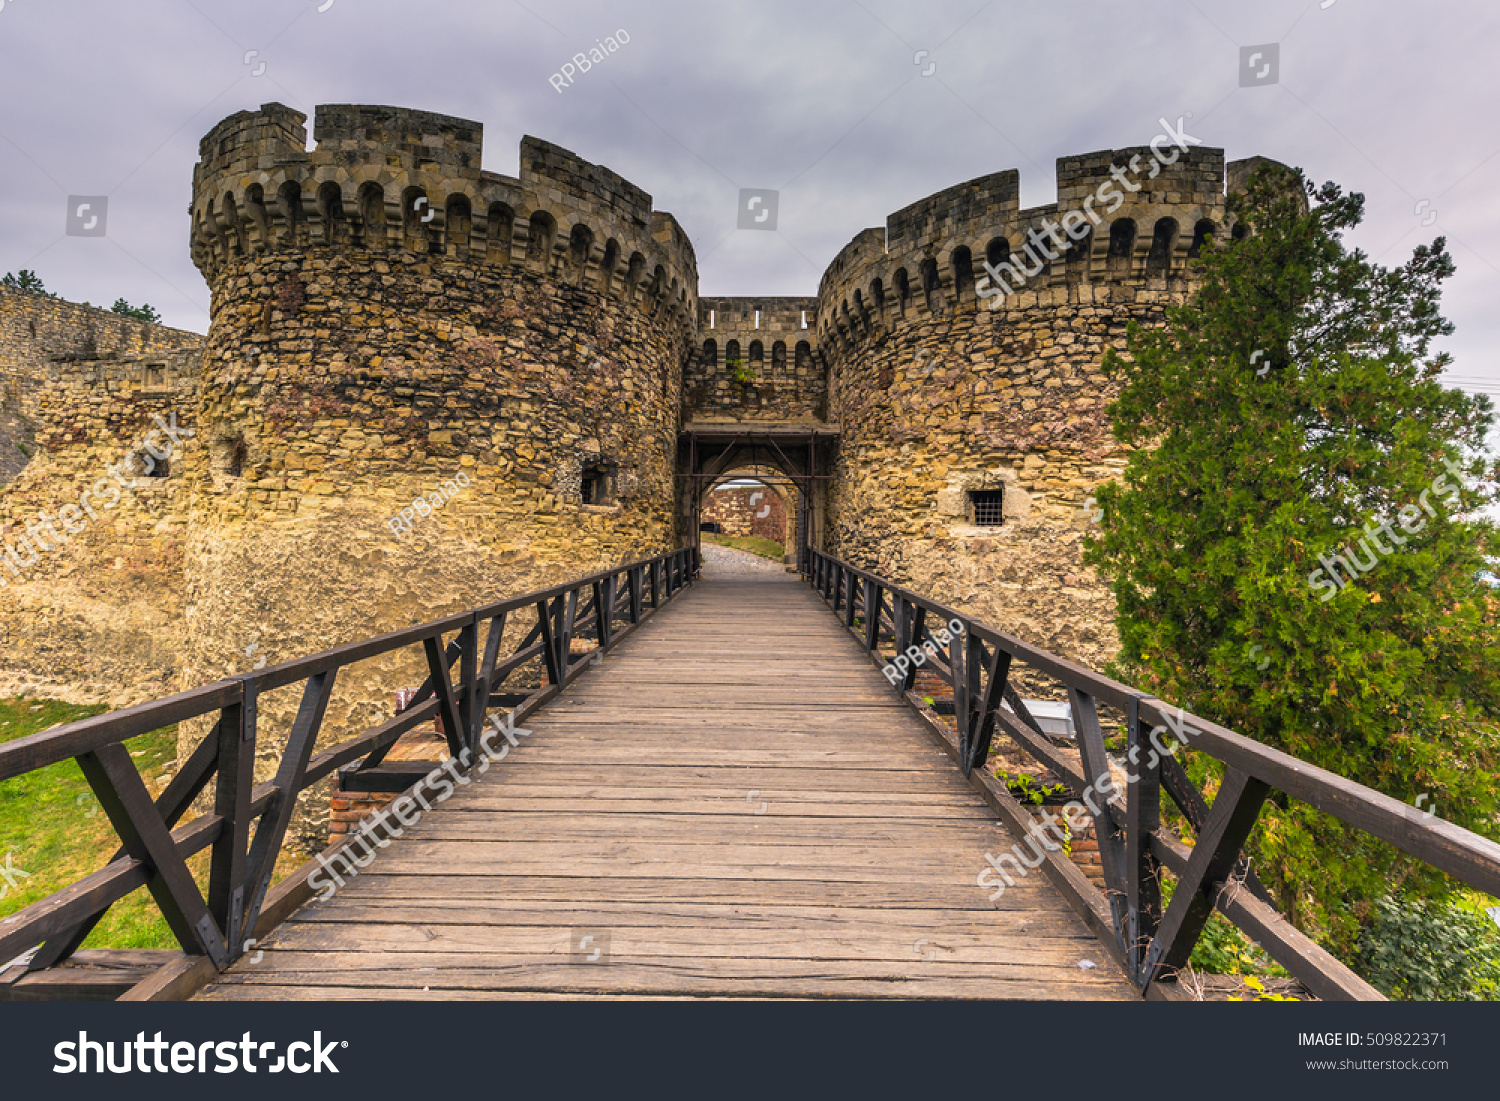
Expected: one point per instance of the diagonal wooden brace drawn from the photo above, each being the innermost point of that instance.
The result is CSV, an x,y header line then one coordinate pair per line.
x,y
1097,798
1234,812
278,815
124,798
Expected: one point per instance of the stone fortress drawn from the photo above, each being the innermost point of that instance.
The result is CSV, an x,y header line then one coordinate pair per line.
x,y
386,314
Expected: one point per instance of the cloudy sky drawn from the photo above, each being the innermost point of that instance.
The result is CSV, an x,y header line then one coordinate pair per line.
x,y
851,109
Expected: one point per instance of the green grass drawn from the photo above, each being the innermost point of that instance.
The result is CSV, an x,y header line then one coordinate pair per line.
x,y
51,826
765,548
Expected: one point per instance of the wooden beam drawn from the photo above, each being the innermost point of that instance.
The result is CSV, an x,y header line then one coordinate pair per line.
x,y
1218,850
123,796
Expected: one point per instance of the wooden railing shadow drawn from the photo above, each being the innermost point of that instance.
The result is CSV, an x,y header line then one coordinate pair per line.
x,y
246,829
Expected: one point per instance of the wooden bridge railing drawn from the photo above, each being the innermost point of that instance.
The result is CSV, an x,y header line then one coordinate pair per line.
x,y
1151,944
249,821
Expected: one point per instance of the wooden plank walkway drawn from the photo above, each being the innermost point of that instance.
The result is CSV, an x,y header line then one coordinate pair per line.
x,y
733,804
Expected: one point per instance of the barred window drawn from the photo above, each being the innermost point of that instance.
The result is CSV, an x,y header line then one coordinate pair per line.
x,y
984,506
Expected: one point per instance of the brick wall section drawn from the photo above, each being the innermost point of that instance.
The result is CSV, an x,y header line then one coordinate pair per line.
x,y
738,511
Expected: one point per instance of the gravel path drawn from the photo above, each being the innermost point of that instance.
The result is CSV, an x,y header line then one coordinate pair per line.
x,y
727,562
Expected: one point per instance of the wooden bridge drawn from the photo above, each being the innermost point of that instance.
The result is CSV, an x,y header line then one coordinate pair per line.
x,y
723,797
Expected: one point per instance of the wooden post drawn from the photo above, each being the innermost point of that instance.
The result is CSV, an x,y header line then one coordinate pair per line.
x,y
226,875
1143,872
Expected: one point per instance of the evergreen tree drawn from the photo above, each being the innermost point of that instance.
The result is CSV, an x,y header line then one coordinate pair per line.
x,y
1296,549
140,313
27,280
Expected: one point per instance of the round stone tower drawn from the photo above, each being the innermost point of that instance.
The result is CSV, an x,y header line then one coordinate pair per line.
x,y
425,386
965,342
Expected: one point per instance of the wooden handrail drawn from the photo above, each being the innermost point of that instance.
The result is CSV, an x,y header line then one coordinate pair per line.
x,y
1150,943
248,823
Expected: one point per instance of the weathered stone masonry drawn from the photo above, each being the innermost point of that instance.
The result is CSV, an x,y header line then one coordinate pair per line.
x,y
93,614
387,314
941,397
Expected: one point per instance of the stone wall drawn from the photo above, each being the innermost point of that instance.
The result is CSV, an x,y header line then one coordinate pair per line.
x,y
773,343
941,397
427,385
37,330
747,510
387,315
92,531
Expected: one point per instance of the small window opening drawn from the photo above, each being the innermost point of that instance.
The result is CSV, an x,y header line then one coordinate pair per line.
x,y
597,486
149,466
236,465
985,507
156,376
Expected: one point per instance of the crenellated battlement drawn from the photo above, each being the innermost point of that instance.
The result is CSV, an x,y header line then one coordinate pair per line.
x,y
772,342
1123,219
397,181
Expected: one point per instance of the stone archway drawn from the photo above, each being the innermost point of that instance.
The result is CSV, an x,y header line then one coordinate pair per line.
x,y
796,461
756,501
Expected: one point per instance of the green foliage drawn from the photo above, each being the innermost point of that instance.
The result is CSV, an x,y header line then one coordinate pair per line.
x,y
1426,951
1291,403
1258,992
740,372
140,313
27,280
1027,790
755,544
52,828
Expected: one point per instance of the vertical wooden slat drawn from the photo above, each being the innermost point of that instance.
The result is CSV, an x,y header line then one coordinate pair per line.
x,y
443,688
226,877
984,715
469,705
545,621
971,719
487,676
599,593
1142,817
900,616
958,680
918,625
568,617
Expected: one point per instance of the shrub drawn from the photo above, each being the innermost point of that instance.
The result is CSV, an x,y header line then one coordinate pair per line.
x,y
1429,951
